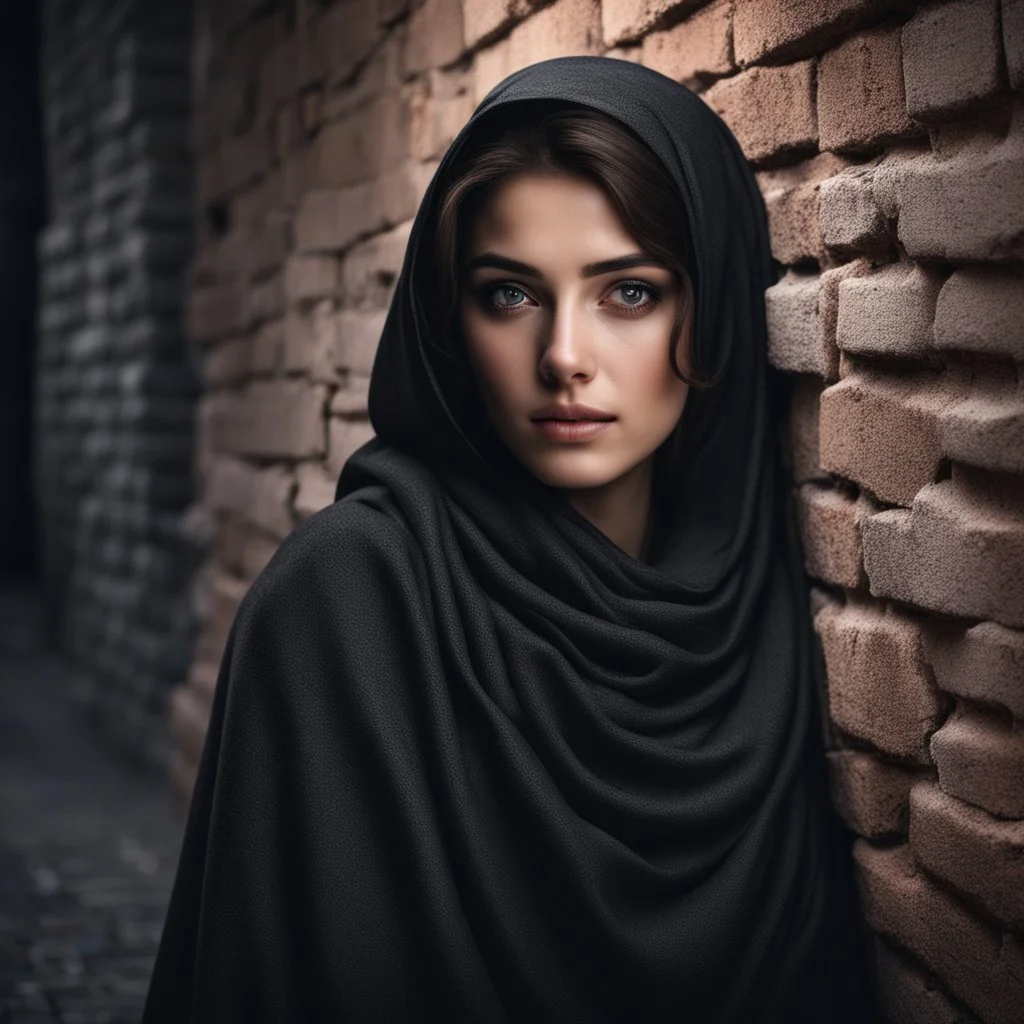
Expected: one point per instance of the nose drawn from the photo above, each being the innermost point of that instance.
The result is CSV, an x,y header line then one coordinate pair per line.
x,y
566,355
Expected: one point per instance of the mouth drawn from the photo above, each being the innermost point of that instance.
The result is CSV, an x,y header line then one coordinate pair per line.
x,y
569,430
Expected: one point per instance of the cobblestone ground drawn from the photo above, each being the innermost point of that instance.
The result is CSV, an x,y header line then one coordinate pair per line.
x,y
88,848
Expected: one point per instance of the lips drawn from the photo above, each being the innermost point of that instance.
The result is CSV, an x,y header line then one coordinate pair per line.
x,y
572,413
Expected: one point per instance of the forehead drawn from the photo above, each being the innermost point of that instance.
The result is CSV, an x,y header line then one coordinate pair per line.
x,y
535,209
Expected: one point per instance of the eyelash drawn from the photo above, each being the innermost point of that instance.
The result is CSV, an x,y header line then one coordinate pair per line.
x,y
489,291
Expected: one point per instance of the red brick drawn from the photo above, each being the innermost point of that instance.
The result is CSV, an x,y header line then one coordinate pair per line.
x,y
700,45
565,28
959,206
490,66
795,340
909,995
262,496
371,268
803,429
851,221
882,432
979,309
345,436
483,20
783,29
316,489
367,141
958,550
332,219
951,57
440,103
1012,19
879,686
983,663
770,110
869,793
792,198
280,419
624,20
861,103
889,313
356,336
830,526
309,278
986,427
976,964
435,37
980,758
977,854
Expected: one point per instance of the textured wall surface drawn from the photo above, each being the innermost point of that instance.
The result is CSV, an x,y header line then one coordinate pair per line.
x,y
888,141
115,396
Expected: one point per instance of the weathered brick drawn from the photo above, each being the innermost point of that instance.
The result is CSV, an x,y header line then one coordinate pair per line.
x,y
803,429
308,278
986,426
368,140
332,219
787,29
830,530
882,432
370,268
565,28
187,719
309,342
346,33
880,688
951,57
977,965
851,221
486,19
957,550
791,197
316,489
228,363
440,103
264,300
980,309
870,794
769,110
980,758
345,436
1012,18
983,663
356,335
266,347
262,496
795,340
435,37
961,206
244,549
909,995
631,19
861,102
216,312
700,45
974,852
490,66
889,313
282,419
352,398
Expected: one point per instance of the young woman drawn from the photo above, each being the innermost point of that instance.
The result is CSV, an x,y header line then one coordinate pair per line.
x,y
524,726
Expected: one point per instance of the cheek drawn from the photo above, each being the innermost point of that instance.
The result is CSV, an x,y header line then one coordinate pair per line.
x,y
498,356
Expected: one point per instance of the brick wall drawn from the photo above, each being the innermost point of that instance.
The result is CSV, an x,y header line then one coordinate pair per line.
x,y
887,139
115,396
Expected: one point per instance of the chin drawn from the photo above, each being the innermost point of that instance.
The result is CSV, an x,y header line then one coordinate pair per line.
x,y
574,470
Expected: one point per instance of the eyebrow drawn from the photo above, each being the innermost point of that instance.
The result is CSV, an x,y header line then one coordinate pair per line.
x,y
634,259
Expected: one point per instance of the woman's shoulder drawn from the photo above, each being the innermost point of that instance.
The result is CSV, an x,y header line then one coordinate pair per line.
x,y
352,543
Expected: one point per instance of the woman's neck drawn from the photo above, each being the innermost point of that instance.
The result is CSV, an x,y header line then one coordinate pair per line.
x,y
620,509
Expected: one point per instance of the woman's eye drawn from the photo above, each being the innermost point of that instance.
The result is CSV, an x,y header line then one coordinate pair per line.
x,y
505,295
634,295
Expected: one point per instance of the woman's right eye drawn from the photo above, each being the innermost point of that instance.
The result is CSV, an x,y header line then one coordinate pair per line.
x,y
504,296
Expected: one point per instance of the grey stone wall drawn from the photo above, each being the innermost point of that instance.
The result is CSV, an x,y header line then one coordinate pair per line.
x,y
115,391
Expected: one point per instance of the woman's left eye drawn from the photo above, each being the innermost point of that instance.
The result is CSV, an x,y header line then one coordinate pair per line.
x,y
635,295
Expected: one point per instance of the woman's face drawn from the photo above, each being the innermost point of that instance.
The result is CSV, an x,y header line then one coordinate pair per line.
x,y
558,306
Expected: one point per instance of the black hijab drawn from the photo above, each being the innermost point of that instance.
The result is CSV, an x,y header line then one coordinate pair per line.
x,y
470,761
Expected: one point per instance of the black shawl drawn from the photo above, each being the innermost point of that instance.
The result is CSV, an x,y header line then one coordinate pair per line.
x,y
470,761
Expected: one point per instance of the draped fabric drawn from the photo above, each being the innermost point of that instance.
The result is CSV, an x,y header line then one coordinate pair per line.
x,y
468,760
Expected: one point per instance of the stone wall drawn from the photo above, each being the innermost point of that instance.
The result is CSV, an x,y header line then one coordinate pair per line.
x,y
888,141
115,393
